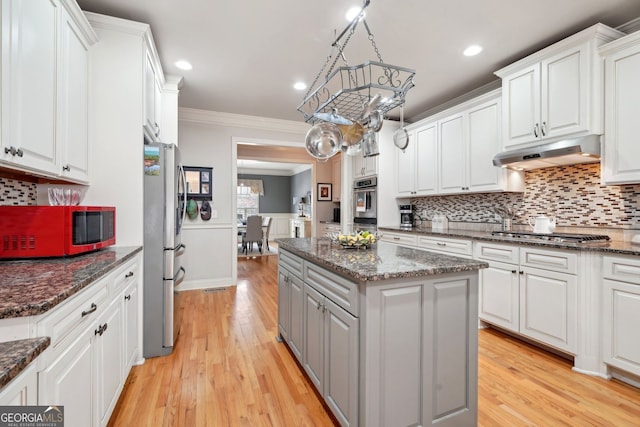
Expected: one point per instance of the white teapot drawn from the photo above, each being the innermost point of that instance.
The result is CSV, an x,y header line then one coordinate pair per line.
x,y
543,224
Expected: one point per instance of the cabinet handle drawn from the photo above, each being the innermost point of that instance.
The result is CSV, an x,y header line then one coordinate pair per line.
x,y
318,305
441,244
521,272
129,274
535,130
127,297
513,271
91,310
66,168
544,128
396,238
7,150
19,152
101,329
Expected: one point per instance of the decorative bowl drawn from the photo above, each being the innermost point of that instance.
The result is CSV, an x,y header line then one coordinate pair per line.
x,y
359,240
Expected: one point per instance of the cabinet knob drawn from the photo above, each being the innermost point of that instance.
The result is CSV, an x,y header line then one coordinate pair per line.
x,y
127,297
66,168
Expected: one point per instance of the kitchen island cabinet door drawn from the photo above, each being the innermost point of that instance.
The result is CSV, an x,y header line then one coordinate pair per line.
x,y
341,363
296,312
22,390
284,304
69,381
313,351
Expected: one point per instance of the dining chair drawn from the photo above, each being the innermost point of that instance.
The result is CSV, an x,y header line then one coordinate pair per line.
x,y
253,233
266,227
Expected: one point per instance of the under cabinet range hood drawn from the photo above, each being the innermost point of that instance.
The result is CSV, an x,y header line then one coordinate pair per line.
x,y
585,149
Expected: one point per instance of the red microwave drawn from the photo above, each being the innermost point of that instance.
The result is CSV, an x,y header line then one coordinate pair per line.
x,y
54,231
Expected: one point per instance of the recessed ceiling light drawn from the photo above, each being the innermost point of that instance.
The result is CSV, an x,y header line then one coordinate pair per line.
x,y
183,65
472,50
299,86
352,13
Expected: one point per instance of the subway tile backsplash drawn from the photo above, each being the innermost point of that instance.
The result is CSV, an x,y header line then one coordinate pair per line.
x,y
572,194
16,192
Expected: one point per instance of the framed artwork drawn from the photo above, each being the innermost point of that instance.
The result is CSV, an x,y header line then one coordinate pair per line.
x,y
198,182
324,192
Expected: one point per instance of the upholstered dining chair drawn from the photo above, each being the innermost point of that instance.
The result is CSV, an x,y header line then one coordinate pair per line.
x,y
253,233
266,227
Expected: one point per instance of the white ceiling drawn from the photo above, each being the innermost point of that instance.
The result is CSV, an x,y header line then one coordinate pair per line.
x,y
246,55
258,167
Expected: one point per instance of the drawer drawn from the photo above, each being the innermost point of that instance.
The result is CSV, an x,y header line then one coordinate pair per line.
x,y
291,262
446,244
123,277
492,252
338,289
78,311
563,262
404,239
623,269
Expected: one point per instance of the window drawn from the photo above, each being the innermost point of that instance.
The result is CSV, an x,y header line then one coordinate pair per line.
x,y
248,202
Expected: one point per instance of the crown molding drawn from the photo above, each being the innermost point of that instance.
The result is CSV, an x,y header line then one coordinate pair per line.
x,y
242,121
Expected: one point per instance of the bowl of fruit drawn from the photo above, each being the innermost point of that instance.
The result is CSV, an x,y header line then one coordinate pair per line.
x,y
359,240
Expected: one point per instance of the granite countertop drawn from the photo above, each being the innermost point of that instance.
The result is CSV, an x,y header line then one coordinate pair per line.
x,y
613,246
32,287
380,262
15,356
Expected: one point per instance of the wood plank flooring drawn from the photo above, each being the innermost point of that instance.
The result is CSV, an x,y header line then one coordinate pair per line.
x,y
228,370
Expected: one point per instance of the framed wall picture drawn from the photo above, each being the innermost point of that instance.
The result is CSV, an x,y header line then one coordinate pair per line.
x,y
324,192
198,182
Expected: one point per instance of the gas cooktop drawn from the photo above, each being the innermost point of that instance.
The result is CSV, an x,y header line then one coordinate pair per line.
x,y
554,237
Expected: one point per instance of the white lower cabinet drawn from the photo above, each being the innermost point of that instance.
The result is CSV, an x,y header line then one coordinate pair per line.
x,y
68,381
22,390
621,313
530,291
94,341
290,302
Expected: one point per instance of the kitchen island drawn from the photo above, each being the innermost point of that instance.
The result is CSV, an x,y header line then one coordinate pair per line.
x,y
387,335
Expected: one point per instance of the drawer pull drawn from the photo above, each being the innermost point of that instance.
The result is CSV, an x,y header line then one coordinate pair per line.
x,y
513,271
441,244
93,308
396,238
129,274
101,329
127,297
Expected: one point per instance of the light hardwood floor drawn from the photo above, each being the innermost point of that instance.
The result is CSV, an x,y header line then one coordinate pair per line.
x,y
228,370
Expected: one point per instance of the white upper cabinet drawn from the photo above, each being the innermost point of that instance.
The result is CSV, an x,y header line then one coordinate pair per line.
x,y
417,165
74,100
452,152
621,156
44,88
29,85
556,92
153,82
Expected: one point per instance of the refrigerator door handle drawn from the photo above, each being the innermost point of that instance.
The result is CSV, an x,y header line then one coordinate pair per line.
x,y
177,281
183,177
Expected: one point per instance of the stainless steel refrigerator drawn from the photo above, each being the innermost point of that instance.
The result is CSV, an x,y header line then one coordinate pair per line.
x,y
164,212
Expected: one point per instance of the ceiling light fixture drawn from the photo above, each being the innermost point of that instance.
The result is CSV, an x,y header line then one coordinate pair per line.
x,y
472,50
183,65
299,85
351,95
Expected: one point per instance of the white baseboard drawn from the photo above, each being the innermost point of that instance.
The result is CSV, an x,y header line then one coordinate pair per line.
x,y
191,285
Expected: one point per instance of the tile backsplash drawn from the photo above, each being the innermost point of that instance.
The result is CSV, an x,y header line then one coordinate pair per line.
x,y
572,194
16,192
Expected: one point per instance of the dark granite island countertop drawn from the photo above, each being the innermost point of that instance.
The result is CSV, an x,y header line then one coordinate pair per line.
x,y
32,287
380,262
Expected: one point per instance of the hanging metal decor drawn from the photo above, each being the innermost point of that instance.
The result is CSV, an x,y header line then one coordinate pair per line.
x,y
351,97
